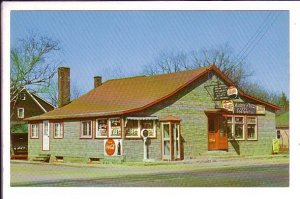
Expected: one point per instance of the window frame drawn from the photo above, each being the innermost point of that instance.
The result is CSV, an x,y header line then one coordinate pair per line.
x,y
96,129
138,129
61,129
245,127
243,124
37,133
256,128
110,128
19,112
81,129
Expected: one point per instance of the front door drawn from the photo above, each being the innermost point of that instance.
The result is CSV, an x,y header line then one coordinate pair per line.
x,y
46,141
217,133
170,141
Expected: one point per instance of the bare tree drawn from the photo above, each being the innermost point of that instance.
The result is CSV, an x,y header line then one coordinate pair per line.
x,y
31,64
221,57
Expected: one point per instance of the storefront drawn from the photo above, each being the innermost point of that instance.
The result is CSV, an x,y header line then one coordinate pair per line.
x,y
176,116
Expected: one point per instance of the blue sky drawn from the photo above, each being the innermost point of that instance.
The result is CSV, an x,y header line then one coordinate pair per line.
x,y
114,43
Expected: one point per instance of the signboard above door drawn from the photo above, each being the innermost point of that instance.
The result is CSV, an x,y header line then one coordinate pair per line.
x,y
247,108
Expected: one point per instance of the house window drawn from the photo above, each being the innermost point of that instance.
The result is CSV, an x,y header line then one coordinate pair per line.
x,y
115,127
239,128
150,126
22,96
86,129
251,128
101,128
58,130
230,127
34,131
20,112
132,128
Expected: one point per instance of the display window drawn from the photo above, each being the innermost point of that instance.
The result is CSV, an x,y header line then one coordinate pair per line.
x,y
101,128
115,127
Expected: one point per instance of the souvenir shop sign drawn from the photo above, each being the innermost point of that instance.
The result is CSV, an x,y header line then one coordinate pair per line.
x,y
244,108
220,92
247,108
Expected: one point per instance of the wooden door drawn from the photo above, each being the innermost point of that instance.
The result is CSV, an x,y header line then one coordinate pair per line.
x,y
217,134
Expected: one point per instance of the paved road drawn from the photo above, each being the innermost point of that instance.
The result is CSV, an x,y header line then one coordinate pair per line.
x,y
209,175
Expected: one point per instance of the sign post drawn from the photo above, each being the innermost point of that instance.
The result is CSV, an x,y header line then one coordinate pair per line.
x,y
145,134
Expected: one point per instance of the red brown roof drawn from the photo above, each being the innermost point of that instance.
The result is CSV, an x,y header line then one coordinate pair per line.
x,y
127,95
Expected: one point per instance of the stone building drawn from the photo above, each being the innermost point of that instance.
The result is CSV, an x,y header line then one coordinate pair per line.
x,y
182,115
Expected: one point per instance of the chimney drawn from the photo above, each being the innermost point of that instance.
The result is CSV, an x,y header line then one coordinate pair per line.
x,y
63,86
97,81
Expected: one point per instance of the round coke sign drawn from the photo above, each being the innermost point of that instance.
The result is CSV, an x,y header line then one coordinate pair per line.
x,y
110,147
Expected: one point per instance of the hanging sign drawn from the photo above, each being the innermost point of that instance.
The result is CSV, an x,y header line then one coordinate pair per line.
x,y
232,92
228,105
244,108
220,92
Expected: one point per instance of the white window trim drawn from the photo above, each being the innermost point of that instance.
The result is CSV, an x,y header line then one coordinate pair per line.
x,y
139,130
256,128
91,127
100,136
245,128
19,112
37,131
110,129
244,123
61,130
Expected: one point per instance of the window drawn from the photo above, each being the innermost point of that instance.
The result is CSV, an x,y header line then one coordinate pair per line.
x,y
22,96
34,131
20,112
251,128
242,127
211,125
150,126
86,129
230,127
239,128
58,130
101,128
132,128
115,127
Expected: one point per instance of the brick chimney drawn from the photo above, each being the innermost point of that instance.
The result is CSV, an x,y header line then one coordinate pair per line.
x,y
63,86
97,81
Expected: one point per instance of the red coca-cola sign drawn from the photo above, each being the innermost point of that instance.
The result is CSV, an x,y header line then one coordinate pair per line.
x,y
110,147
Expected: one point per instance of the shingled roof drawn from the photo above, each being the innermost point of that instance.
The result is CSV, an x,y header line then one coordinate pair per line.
x,y
120,96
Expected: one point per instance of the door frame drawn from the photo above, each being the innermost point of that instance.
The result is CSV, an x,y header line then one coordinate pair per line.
x,y
218,118
43,137
172,155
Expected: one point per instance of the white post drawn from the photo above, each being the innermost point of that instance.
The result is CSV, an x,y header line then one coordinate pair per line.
x,y
145,148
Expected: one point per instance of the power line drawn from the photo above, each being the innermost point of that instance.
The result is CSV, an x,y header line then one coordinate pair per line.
x,y
256,38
